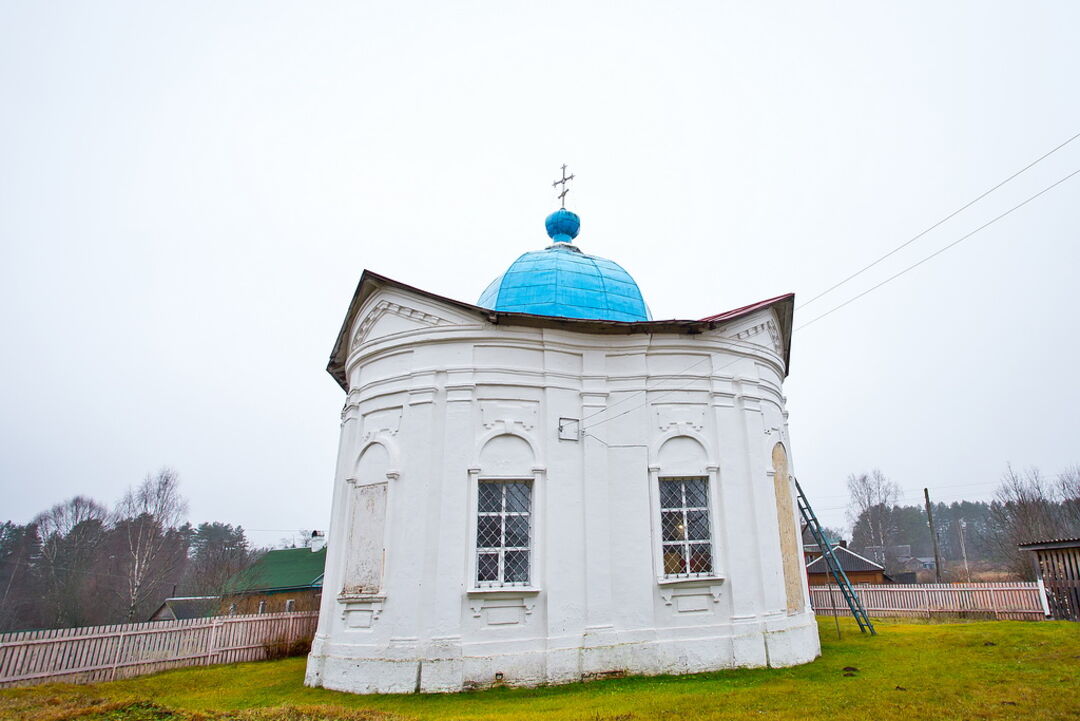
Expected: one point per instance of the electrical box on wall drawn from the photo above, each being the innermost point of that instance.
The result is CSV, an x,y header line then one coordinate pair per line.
x,y
569,429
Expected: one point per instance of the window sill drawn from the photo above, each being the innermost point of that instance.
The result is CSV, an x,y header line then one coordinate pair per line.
x,y
360,598
690,581
506,590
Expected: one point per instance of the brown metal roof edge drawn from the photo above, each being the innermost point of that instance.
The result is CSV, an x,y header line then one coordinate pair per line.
x,y
371,281
1051,544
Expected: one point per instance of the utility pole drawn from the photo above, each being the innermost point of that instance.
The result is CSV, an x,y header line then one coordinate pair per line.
x,y
933,535
963,549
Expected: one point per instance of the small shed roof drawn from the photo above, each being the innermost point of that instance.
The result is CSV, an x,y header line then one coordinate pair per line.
x,y
849,561
282,569
184,607
1051,543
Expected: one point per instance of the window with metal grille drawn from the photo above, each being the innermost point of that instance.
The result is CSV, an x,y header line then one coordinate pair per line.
x,y
503,538
685,536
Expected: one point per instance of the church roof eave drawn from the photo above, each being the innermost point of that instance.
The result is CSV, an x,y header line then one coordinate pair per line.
x,y
783,306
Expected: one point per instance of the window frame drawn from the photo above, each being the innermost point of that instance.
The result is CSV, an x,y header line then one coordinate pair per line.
x,y
715,506
503,515
686,544
536,530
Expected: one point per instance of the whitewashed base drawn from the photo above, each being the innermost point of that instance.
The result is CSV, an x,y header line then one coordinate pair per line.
x,y
449,666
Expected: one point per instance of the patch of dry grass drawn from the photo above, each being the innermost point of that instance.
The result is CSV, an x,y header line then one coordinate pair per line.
x,y
87,707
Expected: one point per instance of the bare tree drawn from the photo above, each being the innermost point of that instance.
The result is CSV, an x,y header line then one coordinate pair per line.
x,y
1068,488
71,533
1030,507
301,539
61,519
870,509
154,549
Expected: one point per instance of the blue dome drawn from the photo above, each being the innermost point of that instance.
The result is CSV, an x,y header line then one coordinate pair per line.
x,y
562,281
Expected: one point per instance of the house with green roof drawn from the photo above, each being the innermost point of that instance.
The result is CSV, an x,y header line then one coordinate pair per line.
x,y
288,579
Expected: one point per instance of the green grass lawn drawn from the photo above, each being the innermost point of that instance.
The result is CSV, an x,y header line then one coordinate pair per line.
x,y
986,670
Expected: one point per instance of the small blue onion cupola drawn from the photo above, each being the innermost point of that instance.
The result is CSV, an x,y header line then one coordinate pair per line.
x,y
562,226
562,281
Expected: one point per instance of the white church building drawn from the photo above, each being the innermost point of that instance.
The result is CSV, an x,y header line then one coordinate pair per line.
x,y
550,486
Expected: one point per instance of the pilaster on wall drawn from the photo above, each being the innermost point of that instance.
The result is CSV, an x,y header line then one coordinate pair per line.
x,y
597,536
564,571
409,558
595,492
739,417
458,439
460,412
759,447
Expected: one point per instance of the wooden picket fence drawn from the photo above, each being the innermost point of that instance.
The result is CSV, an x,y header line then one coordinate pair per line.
x,y
104,653
1004,601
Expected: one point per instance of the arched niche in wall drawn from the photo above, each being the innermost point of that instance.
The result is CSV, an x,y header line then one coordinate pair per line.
x,y
507,455
682,456
794,573
373,465
366,550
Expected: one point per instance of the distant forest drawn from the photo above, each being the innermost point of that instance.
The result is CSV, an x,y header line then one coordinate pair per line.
x,y
976,539
80,563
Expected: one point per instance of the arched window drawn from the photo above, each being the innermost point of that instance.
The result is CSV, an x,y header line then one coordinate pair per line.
x,y
683,481
504,513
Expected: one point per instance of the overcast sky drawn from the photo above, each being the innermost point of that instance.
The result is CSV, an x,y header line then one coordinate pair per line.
x,y
190,191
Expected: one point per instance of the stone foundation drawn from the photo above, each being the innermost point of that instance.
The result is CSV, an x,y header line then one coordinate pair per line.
x,y
449,666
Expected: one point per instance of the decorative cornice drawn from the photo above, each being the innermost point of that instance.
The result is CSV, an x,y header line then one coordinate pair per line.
x,y
402,311
767,326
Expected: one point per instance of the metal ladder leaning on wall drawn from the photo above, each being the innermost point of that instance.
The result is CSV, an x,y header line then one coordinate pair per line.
x,y
837,572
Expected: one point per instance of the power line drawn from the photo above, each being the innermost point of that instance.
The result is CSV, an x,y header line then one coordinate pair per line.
x,y
832,310
48,565
642,405
936,253
275,530
932,488
937,501
693,365
939,223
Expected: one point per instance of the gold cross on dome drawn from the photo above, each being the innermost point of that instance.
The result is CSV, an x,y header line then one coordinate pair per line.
x,y
563,181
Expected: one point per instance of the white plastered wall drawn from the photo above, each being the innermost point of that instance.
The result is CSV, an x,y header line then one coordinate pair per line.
x,y
450,400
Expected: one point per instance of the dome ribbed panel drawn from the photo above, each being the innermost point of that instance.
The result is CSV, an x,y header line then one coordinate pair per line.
x,y
560,282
